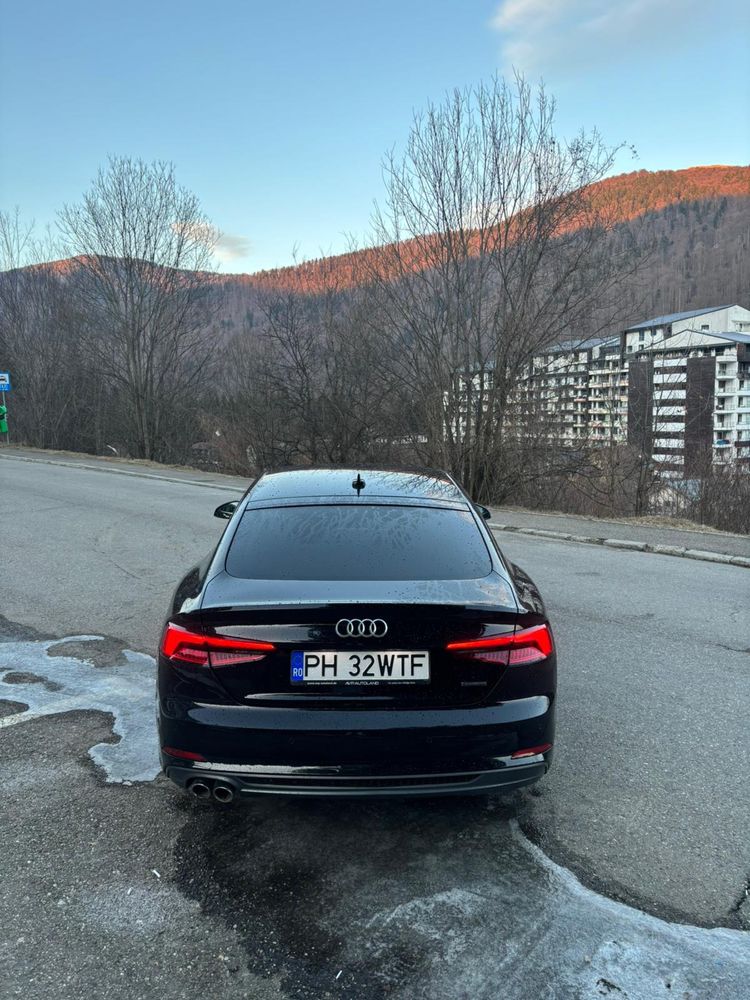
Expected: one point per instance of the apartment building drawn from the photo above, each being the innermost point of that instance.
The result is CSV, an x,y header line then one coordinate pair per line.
x,y
607,396
689,388
715,319
581,387
675,386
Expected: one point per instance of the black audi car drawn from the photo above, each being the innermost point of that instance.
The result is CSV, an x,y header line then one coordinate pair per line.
x,y
355,632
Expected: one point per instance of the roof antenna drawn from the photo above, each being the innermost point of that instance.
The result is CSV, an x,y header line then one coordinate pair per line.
x,y
358,484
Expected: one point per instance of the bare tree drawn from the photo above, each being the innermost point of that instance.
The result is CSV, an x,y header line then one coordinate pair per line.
x,y
309,382
38,340
490,247
143,248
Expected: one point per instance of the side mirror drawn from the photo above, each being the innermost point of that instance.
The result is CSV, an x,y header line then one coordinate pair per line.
x,y
225,510
484,511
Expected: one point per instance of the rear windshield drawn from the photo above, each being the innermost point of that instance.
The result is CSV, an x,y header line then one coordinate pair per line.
x,y
353,542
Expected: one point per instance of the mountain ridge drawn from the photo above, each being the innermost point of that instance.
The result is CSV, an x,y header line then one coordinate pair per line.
x,y
696,219
639,192
646,190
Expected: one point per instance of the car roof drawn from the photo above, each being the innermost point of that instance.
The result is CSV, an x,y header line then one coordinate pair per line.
x,y
407,484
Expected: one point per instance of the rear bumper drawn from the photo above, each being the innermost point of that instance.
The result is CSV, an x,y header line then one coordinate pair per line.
x,y
363,753
307,782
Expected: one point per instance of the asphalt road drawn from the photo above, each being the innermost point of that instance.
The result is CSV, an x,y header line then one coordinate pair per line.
x,y
117,885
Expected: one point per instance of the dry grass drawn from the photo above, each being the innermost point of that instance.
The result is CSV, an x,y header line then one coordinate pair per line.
x,y
647,520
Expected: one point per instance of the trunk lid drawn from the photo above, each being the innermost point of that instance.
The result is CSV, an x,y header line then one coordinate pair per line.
x,y
312,627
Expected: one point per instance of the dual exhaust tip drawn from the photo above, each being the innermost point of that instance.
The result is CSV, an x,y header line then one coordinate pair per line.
x,y
221,792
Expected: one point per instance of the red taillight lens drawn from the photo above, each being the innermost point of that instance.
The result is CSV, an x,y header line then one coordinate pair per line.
x,y
183,754
532,751
182,645
530,645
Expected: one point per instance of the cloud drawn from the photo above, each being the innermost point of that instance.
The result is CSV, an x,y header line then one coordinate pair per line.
x,y
229,247
542,35
226,247
514,13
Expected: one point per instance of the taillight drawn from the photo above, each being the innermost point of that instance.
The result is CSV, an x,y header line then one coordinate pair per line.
x,y
182,754
531,751
530,645
181,645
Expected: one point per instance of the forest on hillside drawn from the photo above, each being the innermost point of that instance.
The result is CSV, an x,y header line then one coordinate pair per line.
x,y
699,255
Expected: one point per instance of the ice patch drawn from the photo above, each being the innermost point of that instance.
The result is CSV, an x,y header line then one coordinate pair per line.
x,y
642,955
529,928
124,691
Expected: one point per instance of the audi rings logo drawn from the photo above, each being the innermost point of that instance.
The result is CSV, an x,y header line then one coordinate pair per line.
x,y
365,627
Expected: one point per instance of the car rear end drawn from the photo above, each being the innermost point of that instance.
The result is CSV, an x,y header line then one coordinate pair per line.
x,y
404,667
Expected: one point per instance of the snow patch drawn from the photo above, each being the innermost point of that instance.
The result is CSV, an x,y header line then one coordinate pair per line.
x,y
50,685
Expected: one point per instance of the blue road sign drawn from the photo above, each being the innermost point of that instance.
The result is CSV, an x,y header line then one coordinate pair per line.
x,y
4,381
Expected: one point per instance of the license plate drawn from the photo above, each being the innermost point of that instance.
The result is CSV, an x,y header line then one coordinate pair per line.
x,y
382,667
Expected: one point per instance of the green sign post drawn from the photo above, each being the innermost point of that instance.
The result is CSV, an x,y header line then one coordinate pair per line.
x,y
4,387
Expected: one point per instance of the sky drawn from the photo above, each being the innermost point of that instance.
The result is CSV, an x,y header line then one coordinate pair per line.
x,y
277,113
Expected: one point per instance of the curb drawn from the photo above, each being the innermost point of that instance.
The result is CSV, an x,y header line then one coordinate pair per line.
x,y
124,472
704,555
